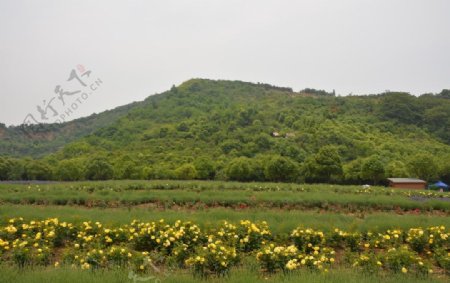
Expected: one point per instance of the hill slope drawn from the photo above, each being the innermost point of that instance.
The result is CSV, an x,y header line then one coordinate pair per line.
x,y
237,130
37,141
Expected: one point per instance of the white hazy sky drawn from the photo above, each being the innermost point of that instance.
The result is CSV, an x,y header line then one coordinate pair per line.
x,y
139,48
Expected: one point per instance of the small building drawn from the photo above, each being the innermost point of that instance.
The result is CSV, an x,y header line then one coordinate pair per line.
x,y
407,183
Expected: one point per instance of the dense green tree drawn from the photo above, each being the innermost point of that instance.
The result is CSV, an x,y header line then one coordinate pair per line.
x,y
37,170
250,149
75,150
99,168
444,170
129,170
289,149
397,169
17,171
183,127
263,142
401,107
70,170
352,171
281,169
229,145
245,116
324,166
5,168
163,132
240,169
186,172
373,169
424,166
162,172
205,168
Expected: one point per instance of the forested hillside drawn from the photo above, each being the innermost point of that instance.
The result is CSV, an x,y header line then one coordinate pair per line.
x,y
39,140
206,129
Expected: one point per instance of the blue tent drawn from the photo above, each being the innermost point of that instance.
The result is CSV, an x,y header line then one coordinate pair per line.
x,y
441,185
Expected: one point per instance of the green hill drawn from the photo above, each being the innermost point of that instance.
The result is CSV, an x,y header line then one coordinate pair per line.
x,y
39,140
206,129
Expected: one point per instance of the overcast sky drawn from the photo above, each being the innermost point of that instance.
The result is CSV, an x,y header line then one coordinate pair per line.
x,y
138,48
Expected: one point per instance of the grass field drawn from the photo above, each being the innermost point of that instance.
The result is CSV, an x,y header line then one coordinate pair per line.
x,y
384,235
67,274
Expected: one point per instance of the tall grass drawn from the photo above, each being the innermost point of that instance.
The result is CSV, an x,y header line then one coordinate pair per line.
x,y
69,275
118,193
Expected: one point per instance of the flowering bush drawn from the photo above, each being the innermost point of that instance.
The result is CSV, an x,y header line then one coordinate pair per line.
x,y
161,236
246,236
214,258
442,257
141,246
305,239
404,260
287,258
342,239
369,262
274,257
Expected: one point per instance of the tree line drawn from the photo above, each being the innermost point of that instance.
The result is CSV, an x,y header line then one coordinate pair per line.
x,y
326,166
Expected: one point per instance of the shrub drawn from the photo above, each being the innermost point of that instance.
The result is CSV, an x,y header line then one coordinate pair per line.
x,y
186,172
213,259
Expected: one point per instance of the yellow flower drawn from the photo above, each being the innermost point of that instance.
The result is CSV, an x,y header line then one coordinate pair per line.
x,y
404,270
56,264
291,264
11,229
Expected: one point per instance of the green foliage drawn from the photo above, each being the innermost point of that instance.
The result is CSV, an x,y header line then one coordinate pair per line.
x,y
400,107
205,169
352,171
5,168
325,166
424,166
186,172
397,169
373,169
70,170
240,169
43,139
329,138
99,168
37,170
281,169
